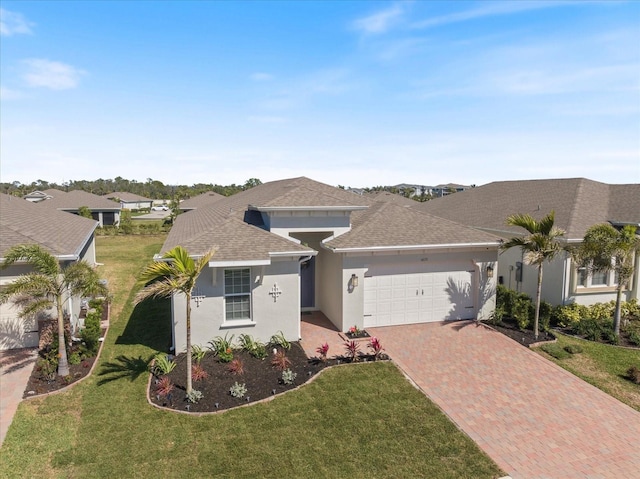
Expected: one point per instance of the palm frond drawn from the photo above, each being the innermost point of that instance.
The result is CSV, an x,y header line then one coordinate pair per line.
x,y
41,260
525,221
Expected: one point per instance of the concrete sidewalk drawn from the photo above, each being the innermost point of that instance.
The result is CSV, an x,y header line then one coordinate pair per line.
x,y
15,369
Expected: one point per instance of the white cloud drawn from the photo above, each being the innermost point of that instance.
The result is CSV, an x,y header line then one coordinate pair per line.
x,y
12,23
261,76
7,94
267,119
490,9
381,21
52,75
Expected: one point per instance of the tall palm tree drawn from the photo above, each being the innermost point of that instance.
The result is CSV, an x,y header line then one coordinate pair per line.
x,y
176,273
50,285
606,249
539,245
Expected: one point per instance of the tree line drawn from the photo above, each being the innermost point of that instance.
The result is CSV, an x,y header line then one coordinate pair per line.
x,y
150,188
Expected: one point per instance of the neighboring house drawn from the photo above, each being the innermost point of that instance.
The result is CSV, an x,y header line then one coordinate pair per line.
x,y
204,199
387,196
578,204
104,211
130,201
445,190
298,245
38,196
67,237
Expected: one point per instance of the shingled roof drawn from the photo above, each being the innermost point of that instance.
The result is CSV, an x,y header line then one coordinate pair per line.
x,y
578,203
204,199
126,197
76,198
232,225
59,233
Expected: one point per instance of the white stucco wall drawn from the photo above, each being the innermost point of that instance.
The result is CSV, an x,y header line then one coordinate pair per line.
x,y
268,316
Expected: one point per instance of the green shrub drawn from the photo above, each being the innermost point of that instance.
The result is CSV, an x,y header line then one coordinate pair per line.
x,y
568,316
634,338
220,344
74,358
90,335
279,340
197,353
601,311
238,390
162,365
555,350
497,315
288,377
573,348
521,312
545,315
194,396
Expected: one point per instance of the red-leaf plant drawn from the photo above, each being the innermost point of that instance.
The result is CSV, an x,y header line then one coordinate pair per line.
x,y
280,361
198,373
352,348
236,367
165,386
376,346
322,350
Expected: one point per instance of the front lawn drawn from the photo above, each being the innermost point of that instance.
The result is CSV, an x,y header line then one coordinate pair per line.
x,y
602,365
354,421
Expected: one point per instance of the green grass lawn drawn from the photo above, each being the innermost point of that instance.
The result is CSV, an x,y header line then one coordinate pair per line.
x,y
602,365
354,421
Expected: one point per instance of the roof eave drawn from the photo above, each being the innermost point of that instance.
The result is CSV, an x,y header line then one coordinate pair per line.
x,y
374,249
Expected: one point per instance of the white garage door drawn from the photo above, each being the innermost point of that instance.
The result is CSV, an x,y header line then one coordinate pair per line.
x,y
418,297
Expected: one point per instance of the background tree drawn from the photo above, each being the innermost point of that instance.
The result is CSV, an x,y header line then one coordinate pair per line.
x,y
176,273
50,285
539,245
606,249
85,212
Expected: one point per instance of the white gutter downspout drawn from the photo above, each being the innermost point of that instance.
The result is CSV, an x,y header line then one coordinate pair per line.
x,y
476,290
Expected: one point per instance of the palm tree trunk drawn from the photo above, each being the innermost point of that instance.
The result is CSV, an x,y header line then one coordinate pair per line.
x,y
63,363
536,316
618,312
189,380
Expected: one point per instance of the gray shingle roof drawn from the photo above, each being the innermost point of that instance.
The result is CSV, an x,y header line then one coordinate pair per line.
x,y
77,198
390,197
201,200
224,224
23,222
126,197
386,224
578,203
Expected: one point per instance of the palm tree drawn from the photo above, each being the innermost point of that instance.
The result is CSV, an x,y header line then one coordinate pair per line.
x,y
50,285
606,249
177,273
539,245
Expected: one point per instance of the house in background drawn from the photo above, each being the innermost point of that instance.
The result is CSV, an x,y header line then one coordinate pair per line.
x,y
38,196
296,245
130,201
578,204
204,199
67,237
104,211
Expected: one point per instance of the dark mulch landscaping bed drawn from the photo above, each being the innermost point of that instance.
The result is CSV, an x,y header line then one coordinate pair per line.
x,y
525,337
261,379
39,385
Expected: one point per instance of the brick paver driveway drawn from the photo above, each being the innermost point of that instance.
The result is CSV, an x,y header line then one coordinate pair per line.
x,y
532,417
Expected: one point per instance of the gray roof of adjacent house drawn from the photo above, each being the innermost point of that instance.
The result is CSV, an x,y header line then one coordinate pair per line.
x,y
390,197
233,224
73,200
126,197
203,199
578,203
59,233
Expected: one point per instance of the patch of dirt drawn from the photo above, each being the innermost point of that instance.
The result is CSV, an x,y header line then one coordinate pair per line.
x,y
524,337
261,379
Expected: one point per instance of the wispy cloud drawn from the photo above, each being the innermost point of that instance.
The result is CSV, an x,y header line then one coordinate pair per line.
x,y
488,10
12,23
381,21
7,94
261,76
267,119
52,75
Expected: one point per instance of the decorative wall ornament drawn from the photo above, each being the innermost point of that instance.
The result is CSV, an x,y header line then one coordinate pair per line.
x,y
275,292
197,297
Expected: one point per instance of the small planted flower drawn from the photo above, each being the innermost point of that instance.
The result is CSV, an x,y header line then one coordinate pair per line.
x,y
322,350
376,346
352,347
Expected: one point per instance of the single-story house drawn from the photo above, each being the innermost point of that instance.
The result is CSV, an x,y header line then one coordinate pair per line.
x,y
296,245
578,204
104,211
130,201
38,196
67,237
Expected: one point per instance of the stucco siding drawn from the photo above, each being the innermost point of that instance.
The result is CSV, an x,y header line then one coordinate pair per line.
x,y
268,316
330,293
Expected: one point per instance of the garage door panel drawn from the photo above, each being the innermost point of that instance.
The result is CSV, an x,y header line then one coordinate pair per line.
x,y
419,297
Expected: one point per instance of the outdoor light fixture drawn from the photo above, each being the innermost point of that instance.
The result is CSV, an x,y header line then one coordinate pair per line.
x,y
489,271
354,280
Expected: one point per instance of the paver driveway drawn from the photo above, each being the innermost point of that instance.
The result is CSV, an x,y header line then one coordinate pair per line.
x,y
533,418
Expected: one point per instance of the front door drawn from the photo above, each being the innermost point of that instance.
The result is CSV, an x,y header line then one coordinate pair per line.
x,y
308,283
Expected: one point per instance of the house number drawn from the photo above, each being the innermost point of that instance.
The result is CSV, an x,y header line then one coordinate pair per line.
x,y
275,292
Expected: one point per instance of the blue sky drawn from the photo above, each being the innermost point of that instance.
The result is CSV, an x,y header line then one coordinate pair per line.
x,y
352,93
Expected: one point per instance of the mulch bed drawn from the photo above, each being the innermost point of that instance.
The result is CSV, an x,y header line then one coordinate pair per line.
x,y
262,380
525,337
38,385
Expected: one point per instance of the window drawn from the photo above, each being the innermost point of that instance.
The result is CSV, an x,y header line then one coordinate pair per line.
x,y
237,294
582,277
599,278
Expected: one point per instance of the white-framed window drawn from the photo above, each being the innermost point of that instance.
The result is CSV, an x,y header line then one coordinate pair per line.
x,y
237,294
596,279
